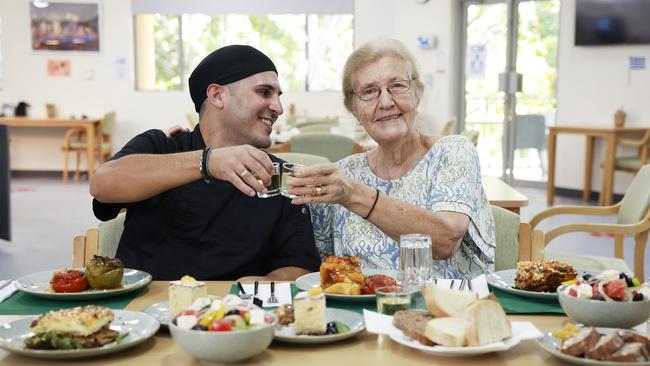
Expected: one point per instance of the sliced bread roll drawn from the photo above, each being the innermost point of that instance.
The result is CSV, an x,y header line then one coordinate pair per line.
x,y
448,332
443,302
486,322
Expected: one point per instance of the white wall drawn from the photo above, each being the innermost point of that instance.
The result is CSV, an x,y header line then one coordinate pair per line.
x,y
592,85
92,88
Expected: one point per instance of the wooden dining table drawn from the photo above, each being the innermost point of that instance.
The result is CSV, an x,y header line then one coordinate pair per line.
x,y
611,136
364,349
91,125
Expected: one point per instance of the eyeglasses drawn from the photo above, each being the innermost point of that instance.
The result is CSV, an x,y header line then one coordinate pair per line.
x,y
373,92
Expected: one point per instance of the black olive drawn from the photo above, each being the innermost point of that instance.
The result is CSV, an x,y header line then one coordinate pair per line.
x,y
638,297
586,277
174,322
629,281
622,275
233,312
199,327
331,328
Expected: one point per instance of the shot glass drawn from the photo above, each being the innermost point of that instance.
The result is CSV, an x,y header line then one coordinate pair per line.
x,y
288,170
415,260
391,299
274,188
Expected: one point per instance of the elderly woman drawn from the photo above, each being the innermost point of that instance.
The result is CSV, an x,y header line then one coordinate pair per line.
x,y
409,183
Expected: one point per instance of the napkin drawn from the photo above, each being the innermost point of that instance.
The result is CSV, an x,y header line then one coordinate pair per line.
x,y
7,291
282,293
383,324
479,285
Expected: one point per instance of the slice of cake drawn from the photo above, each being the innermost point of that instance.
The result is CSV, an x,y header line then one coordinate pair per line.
x,y
309,312
183,293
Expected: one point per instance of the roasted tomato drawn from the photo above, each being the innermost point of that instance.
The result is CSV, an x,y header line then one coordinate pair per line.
x,y
69,280
375,281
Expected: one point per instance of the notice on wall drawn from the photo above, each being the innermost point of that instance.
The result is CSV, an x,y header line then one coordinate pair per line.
x,y
58,68
120,68
637,63
476,56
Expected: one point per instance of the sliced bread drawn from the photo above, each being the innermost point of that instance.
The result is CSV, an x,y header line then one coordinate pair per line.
x,y
448,332
486,322
443,302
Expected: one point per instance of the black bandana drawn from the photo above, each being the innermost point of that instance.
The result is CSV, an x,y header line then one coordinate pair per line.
x,y
224,66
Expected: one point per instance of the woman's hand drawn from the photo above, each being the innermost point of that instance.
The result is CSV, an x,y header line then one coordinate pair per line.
x,y
321,183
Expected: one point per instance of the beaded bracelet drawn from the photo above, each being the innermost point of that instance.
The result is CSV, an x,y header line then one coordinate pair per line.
x,y
373,204
203,165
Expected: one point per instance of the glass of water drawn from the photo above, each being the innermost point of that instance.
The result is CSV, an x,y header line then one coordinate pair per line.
x,y
415,260
274,188
288,170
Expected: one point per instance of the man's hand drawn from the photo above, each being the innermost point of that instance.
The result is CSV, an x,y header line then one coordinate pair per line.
x,y
174,130
247,168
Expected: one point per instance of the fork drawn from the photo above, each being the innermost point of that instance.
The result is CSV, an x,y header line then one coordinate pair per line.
x,y
272,299
7,283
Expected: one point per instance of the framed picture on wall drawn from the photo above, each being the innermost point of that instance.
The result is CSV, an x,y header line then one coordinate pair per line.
x,y
63,26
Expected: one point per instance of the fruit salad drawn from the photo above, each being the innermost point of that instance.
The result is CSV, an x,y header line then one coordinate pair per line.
x,y
610,285
214,314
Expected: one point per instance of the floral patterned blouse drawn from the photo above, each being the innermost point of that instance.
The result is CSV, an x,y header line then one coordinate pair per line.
x,y
446,178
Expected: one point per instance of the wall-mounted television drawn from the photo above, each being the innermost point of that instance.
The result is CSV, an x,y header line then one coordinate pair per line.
x,y
607,22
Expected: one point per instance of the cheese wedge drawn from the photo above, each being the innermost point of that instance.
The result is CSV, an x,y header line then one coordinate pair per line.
x,y
443,302
448,332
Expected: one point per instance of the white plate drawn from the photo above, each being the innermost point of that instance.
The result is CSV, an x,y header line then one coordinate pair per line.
x,y
552,345
38,284
311,280
505,281
349,318
400,338
139,327
160,312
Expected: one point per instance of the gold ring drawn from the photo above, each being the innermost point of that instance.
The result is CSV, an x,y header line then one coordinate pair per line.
x,y
244,173
318,191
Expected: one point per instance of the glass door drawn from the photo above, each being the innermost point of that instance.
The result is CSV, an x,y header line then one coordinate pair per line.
x,y
510,57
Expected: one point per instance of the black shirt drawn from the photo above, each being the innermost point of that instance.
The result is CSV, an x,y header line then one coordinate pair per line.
x,y
209,231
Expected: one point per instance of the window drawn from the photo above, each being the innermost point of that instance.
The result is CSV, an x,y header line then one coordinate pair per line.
x,y
309,50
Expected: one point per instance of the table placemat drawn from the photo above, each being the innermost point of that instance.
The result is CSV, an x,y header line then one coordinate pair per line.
x,y
22,303
512,304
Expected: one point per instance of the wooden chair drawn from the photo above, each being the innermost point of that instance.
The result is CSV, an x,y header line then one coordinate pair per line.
x,y
75,141
192,120
449,127
300,158
333,147
633,219
471,135
102,240
632,164
516,240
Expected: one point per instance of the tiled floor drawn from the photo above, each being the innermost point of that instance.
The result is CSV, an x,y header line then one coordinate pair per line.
x,y
47,214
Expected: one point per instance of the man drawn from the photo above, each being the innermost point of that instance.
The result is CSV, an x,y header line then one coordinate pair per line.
x,y
191,199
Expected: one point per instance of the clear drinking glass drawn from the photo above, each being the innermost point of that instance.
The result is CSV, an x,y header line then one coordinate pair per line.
x,y
287,171
391,299
415,260
274,188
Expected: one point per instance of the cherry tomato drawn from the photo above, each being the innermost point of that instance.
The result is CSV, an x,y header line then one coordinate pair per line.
x,y
616,289
375,281
69,281
221,325
573,292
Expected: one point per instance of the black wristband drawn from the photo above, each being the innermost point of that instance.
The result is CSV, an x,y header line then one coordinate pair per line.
x,y
373,204
203,165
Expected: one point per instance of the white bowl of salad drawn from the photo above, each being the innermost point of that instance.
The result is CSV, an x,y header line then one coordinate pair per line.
x,y
611,299
223,330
